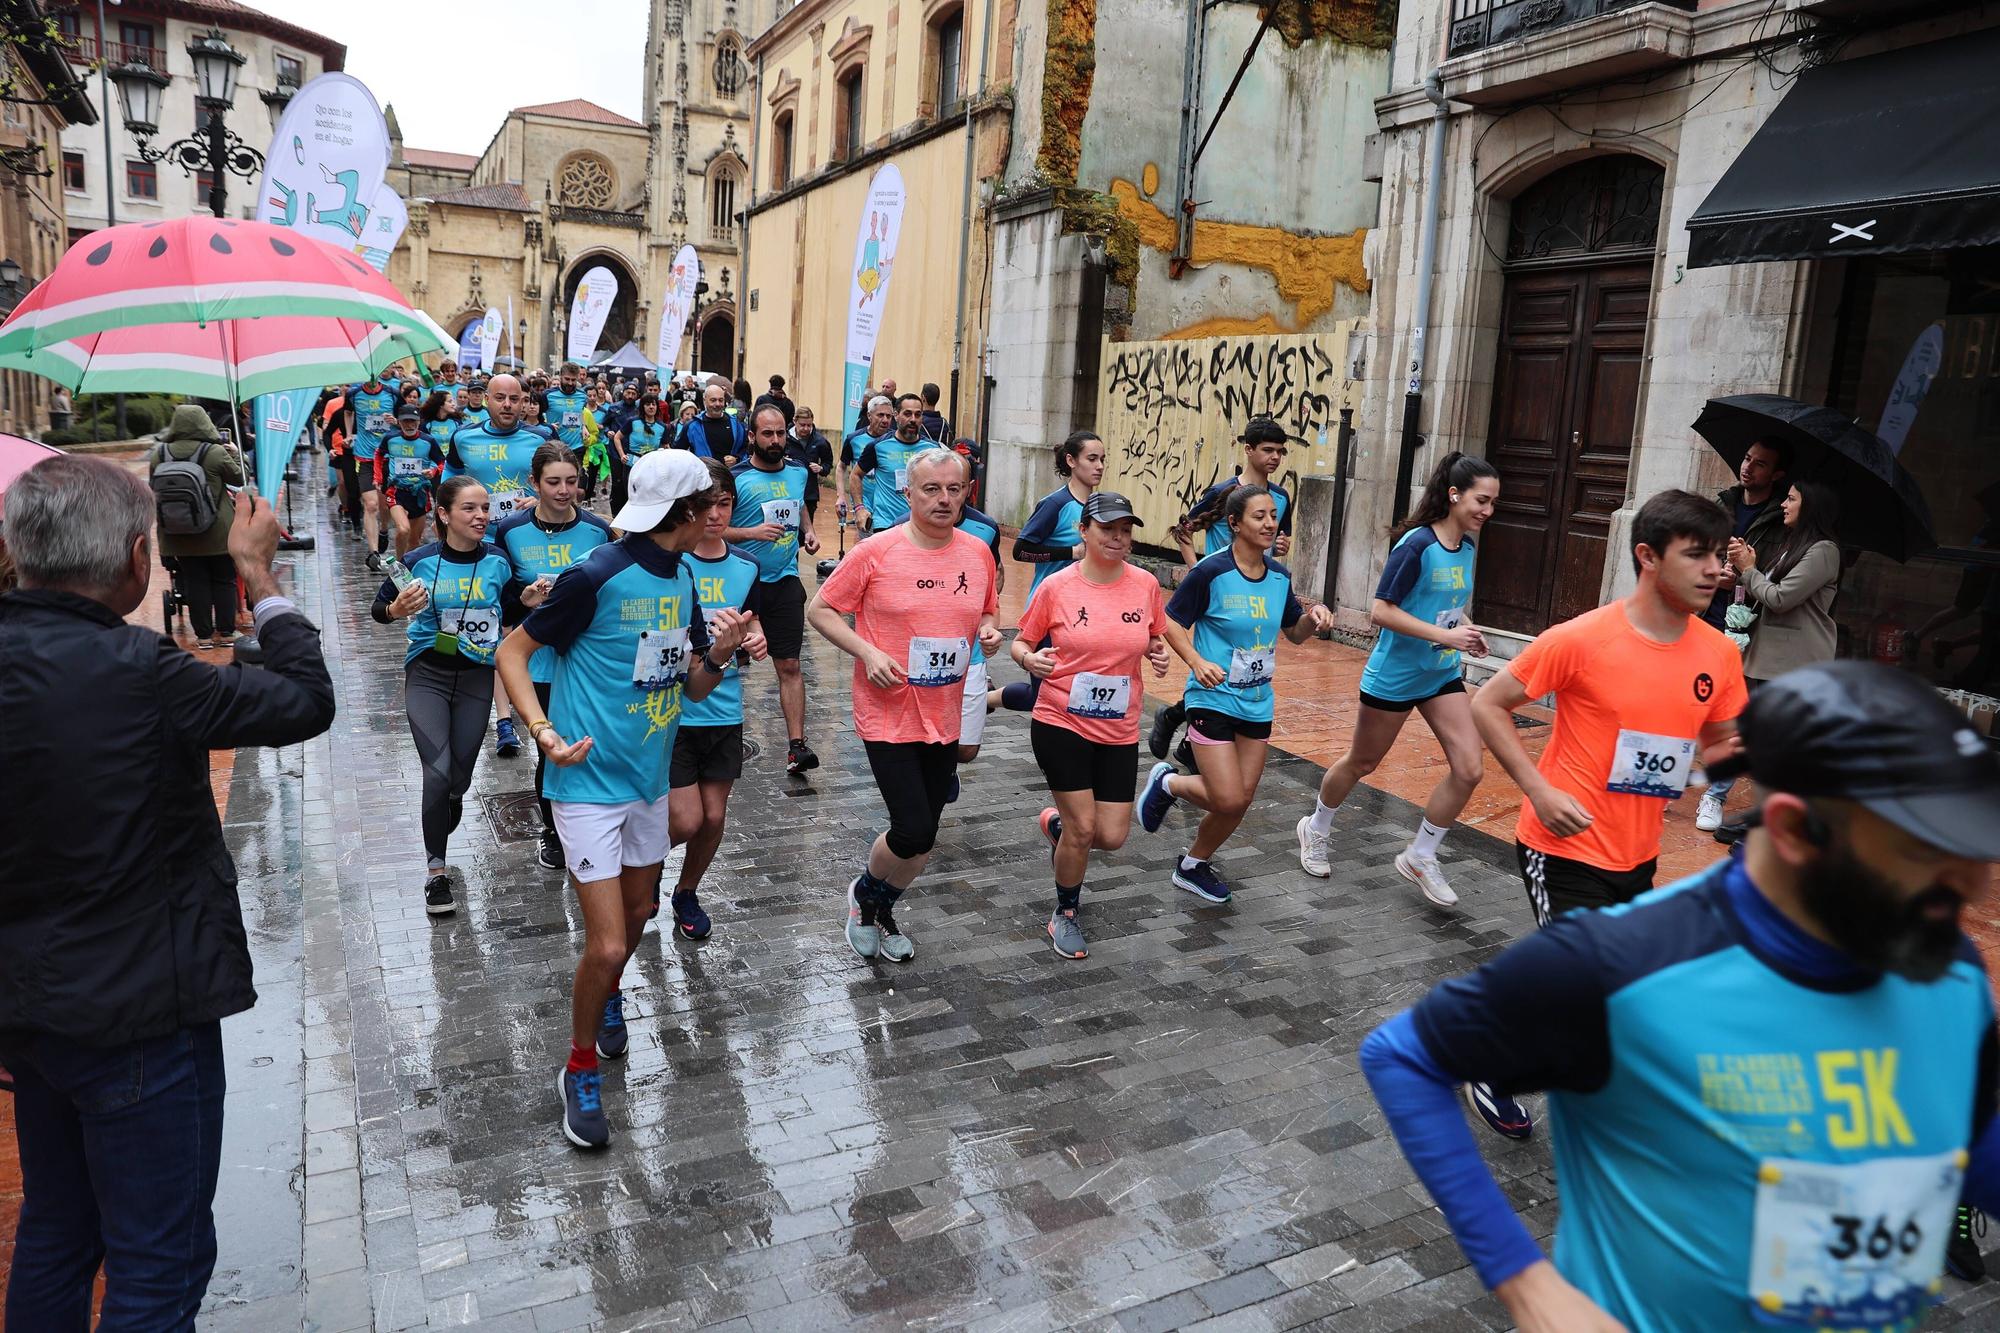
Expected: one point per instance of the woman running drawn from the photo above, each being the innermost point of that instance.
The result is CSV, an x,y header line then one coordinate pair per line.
x,y
1422,608
1052,538
1094,622
1224,622
540,543
453,602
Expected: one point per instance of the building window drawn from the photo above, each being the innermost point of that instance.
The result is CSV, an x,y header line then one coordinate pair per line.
x,y
73,171
722,202
135,44
781,150
950,37
585,181
204,181
141,181
847,128
291,70
728,71
69,25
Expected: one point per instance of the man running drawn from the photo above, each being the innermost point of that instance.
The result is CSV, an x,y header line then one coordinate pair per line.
x,y
886,463
1773,1083
920,593
859,485
1265,445
371,418
768,526
1643,689
630,643
565,408
406,466
472,402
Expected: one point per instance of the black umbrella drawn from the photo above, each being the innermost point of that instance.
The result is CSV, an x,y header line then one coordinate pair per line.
x,y
1882,508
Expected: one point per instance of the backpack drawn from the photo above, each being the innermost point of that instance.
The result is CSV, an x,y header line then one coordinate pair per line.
x,y
182,496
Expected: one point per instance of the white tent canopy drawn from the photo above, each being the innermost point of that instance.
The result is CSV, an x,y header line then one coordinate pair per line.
x,y
628,357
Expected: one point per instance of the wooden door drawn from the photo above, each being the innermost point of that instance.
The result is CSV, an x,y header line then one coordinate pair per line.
x,y
1565,396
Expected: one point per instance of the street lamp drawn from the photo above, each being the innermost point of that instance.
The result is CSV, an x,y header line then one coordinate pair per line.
x,y
213,147
10,286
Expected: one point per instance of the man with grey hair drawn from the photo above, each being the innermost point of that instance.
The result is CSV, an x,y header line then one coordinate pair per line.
x,y
862,478
121,938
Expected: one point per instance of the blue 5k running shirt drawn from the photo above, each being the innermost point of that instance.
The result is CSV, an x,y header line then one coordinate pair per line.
x,y
1432,582
564,416
501,461
1217,536
627,629
982,526
771,497
727,583
468,596
374,418
1236,622
887,463
1056,522
538,550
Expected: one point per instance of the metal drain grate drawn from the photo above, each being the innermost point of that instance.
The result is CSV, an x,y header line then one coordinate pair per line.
x,y
516,816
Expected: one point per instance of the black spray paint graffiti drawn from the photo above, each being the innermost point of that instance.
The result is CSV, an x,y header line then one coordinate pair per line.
x,y
1174,409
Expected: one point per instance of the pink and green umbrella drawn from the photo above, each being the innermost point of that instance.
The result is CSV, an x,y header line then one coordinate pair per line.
x,y
229,359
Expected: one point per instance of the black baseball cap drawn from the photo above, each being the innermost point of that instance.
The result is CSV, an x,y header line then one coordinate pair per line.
x,y
407,413
1882,738
1109,507
1265,430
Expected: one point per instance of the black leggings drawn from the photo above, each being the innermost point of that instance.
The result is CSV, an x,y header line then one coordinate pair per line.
x,y
914,777
543,691
209,584
447,708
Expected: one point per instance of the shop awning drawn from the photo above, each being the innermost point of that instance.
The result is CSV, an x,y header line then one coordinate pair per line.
x,y
1886,154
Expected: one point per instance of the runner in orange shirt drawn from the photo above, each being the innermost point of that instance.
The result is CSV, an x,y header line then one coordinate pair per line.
x,y
1644,690
920,594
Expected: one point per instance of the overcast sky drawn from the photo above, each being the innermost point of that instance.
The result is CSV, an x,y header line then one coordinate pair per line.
x,y
453,73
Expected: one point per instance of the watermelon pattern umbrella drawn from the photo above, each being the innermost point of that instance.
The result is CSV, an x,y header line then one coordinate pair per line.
x,y
229,359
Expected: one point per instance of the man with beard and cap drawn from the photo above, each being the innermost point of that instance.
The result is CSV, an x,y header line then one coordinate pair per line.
x,y
1771,1086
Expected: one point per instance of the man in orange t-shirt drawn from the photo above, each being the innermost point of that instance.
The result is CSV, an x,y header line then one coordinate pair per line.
x,y
920,593
1644,690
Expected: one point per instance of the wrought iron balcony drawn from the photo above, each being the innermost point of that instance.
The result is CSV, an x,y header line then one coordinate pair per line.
x,y
1478,24
83,49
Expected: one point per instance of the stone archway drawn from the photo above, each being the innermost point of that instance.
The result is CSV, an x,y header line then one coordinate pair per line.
x,y
716,350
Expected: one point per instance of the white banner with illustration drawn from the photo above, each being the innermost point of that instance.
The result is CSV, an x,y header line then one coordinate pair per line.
x,y
675,307
875,242
386,222
588,310
489,337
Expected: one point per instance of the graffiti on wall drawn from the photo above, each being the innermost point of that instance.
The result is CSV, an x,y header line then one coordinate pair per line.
x,y
1170,412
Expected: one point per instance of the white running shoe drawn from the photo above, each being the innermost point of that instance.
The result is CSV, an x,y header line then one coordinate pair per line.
x,y
1428,875
1312,850
1708,815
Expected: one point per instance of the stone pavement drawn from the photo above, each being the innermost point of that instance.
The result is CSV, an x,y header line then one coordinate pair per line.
x,y
1171,1134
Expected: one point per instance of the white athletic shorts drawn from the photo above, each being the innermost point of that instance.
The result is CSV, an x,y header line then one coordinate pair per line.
x,y
972,712
599,840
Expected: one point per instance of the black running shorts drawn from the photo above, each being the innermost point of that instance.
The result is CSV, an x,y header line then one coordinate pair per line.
x,y
1557,884
1110,773
783,615
706,754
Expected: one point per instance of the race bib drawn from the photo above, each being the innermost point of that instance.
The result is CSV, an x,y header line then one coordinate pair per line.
x,y
1649,765
475,627
572,421
784,513
406,469
1251,667
1851,1245
661,659
938,661
1450,619
1092,695
378,423
902,479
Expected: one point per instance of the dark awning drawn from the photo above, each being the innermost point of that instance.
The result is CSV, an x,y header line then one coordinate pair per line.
x,y
1887,154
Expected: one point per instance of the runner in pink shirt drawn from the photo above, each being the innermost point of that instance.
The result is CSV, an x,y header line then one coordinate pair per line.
x,y
921,594
1092,625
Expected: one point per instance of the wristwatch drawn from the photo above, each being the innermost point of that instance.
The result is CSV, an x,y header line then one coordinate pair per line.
x,y
713,669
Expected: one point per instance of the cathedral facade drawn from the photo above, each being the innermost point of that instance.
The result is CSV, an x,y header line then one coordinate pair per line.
x,y
564,187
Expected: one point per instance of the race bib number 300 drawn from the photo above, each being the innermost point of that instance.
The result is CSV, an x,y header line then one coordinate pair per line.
x,y
935,662
1649,765
474,630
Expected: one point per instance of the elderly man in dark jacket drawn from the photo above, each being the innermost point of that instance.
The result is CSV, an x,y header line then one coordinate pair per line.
x,y
121,939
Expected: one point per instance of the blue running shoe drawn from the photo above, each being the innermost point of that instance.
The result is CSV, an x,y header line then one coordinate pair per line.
x,y
1202,882
1155,800
611,1036
951,792
506,741
583,1107
1502,1114
690,922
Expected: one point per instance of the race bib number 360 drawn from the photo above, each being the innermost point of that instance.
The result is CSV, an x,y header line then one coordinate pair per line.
x,y
1649,765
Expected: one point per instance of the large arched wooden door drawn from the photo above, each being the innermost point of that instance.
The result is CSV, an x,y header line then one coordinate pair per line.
x,y
1566,386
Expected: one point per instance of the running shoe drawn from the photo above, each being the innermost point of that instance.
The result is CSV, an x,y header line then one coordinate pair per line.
x,y
1165,723
1051,825
896,946
1066,936
1502,1114
1312,850
374,562
1961,1252
863,936
611,1036
951,792
1154,799
1708,815
1202,881
506,741
583,1121
690,922
1184,756
437,896
1428,875
549,855
799,758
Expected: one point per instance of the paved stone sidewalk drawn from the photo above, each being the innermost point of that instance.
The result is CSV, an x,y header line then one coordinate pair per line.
x,y
1171,1134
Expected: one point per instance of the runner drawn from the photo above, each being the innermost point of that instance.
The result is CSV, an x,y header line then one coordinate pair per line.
x,y
472,402
885,463
768,526
1643,688
1094,623
978,701
919,593
1229,609
859,485
708,749
453,602
540,543
810,450
630,640
1265,445
1773,1082
1421,605
640,436
406,467
1052,538
371,418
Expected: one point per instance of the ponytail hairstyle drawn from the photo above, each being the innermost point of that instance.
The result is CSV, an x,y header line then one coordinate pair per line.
x,y
447,496
1238,503
1455,472
1819,515
1071,449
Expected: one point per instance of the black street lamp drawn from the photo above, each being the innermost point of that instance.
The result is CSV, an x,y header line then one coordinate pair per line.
x,y
213,147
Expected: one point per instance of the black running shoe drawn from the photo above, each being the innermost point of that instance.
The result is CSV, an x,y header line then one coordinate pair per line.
x,y
550,854
690,922
1961,1253
1184,756
437,896
799,758
1165,723
375,565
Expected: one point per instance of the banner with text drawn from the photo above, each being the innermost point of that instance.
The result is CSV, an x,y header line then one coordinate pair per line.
x,y
588,310
875,242
675,307
489,337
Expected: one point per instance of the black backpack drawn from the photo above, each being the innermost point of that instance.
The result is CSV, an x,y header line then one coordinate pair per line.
x,y
182,496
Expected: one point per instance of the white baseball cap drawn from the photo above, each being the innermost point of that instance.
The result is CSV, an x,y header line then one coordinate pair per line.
x,y
656,482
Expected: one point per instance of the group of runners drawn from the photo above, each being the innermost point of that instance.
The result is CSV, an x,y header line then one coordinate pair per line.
x,y
623,644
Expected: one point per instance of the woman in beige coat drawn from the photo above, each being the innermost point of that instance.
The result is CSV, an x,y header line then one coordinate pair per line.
x,y
1793,586
207,573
